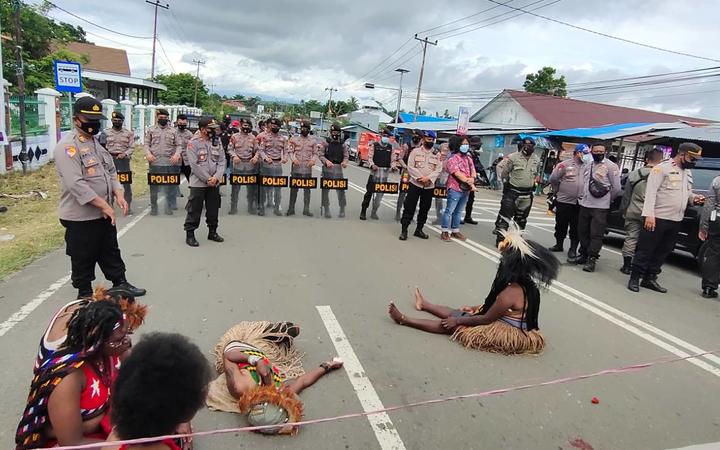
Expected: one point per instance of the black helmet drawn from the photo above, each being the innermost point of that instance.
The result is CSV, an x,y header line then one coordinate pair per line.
x,y
335,127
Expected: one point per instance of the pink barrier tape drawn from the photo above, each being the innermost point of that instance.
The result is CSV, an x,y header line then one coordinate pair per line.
x,y
619,370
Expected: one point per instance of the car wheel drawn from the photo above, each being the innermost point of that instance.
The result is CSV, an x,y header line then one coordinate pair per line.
x,y
701,255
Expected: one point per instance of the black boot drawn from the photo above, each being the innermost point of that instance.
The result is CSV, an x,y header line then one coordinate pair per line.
x,y
326,212
233,209
126,289
291,203
213,236
290,211
572,255
306,208
634,283
590,264
650,282
403,234
420,233
362,213
470,220
627,265
190,239
558,247
153,210
261,211
709,293
582,259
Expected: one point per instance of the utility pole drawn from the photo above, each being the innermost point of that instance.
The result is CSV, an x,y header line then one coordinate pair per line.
x,y
157,5
330,101
20,71
397,109
197,78
425,43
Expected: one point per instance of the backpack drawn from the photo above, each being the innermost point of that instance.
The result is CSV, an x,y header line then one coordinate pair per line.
x,y
627,195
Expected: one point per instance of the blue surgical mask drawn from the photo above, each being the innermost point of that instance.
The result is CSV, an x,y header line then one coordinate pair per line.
x,y
464,148
384,139
587,158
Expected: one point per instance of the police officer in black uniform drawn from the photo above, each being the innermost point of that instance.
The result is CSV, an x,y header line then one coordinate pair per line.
x,y
379,159
334,155
475,149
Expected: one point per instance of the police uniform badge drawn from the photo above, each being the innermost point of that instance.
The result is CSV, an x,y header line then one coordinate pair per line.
x,y
91,171
70,151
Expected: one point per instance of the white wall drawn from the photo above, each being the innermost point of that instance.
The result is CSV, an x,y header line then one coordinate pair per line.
x,y
504,110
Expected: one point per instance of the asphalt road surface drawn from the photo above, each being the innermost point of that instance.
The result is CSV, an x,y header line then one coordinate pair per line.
x,y
335,278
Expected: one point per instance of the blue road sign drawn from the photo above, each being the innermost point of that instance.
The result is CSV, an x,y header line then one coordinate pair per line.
x,y
68,76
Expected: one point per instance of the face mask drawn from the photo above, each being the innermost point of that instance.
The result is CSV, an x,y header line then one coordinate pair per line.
x,y
305,132
586,158
335,136
117,124
428,145
688,164
246,130
162,122
528,150
598,157
90,127
182,127
464,148
275,129
212,134
384,139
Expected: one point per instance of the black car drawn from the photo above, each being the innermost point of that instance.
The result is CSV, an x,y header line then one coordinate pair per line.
x,y
704,172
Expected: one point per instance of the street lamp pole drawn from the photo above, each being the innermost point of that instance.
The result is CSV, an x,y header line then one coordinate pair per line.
x,y
397,109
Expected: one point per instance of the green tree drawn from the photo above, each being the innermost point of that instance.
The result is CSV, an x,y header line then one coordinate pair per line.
x,y
42,37
354,104
545,82
181,90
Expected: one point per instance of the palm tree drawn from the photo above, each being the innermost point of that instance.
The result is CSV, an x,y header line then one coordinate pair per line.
x,y
353,104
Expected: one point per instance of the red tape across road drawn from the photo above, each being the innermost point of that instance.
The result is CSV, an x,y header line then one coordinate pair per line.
x,y
619,370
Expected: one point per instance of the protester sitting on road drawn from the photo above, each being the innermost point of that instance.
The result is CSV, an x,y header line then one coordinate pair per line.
x,y
70,392
56,333
632,204
145,401
508,321
258,365
710,232
461,181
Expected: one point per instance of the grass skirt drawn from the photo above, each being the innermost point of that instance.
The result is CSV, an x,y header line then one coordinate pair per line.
x,y
500,337
285,357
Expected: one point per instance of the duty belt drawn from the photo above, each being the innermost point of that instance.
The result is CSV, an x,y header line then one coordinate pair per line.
x,y
522,191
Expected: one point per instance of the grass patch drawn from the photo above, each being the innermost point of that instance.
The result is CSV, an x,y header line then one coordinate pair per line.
x,y
34,221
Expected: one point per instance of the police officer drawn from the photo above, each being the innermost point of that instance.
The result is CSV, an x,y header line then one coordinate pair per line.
x,y
632,204
475,150
120,142
183,135
207,163
667,195
243,151
424,166
601,185
273,154
379,159
302,151
163,153
710,232
567,185
88,183
441,181
400,161
334,155
518,172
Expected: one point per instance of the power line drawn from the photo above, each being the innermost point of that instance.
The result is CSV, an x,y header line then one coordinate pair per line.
x,y
463,18
396,62
166,56
96,25
157,5
379,64
113,41
610,36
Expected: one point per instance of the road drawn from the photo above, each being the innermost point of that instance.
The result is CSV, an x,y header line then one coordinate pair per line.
x,y
335,278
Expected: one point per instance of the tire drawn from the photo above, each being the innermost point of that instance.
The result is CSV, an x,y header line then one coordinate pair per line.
x,y
700,257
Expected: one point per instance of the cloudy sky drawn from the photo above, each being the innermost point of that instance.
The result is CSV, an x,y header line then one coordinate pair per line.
x,y
295,49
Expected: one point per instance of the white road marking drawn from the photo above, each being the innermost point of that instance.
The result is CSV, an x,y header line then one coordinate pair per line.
x,y
708,446
626,321
382,426
30,306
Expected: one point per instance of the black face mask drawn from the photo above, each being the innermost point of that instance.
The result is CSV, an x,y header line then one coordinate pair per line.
x,y
275,129
246,130
162,122
598,157
90,127
182,127
117,125
528,150
305,132
688,164
335,136
212,134
428,145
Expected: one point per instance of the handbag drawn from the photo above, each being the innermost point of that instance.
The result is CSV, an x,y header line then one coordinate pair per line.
x,y
596,188
464,187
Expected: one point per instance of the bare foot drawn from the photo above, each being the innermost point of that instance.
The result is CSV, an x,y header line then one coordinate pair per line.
x,y
419,299
395,314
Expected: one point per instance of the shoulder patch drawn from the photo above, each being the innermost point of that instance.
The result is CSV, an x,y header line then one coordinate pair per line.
x,y
656,169
70,151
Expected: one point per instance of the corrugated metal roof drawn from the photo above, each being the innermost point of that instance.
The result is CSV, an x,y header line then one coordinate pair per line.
x,y
410,117
707,134
474,128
